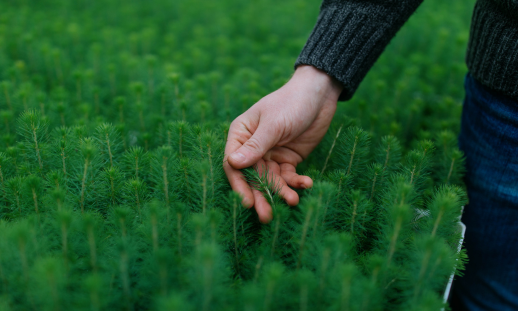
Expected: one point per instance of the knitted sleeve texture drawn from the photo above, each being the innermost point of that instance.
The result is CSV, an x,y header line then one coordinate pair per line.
x,y
350,35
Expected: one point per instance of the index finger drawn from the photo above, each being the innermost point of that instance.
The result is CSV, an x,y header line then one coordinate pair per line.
x,y
235,177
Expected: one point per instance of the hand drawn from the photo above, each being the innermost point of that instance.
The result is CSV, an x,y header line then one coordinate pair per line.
x,y
278,132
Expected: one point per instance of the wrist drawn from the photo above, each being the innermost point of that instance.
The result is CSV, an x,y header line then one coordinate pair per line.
x,y
318,81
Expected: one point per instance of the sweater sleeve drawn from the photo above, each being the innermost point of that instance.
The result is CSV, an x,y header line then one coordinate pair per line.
x,y
350,35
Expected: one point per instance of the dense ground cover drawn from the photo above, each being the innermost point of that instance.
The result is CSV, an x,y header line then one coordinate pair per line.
x,y
112,196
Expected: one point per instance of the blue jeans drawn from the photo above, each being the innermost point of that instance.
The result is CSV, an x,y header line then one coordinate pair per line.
x,y
489,139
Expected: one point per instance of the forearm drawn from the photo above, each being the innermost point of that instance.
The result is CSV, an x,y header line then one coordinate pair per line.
x,y
350,36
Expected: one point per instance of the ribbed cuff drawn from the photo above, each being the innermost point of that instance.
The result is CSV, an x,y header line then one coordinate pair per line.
x,y
492,55
350,36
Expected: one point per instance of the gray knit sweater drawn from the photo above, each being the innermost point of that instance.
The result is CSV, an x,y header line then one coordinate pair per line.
x,y
351,34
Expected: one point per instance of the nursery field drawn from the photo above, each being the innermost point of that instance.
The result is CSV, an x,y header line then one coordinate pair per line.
x,y
113,120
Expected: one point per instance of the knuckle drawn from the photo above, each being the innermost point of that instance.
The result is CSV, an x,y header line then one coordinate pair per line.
x,y
253,145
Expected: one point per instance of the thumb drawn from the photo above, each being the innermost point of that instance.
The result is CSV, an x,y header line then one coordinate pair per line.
x,y
254,148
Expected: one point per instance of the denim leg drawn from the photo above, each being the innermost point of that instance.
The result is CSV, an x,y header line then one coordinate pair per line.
x,y
489,139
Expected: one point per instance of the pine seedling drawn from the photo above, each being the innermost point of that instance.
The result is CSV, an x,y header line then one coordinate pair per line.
x,y
260,179
430,266
134,161
353,151
6,90
135,194
138,89
388,154
396,229
236,232
335,136
306,234
176,134
180,214
63,147
93,284
356,215
87,168
416,164
120,102
347,273
185,180
34,130
326,193
13,192
164,165
78,77
13,152
209,272
110,186
252,295
55,179
445,210
7,116
48,283
21,235
64,220
90,223
372,181
174,79
203,185
306,283
336,250
4,171
451,167
56,198
343,183
33,186
272,276
109,141
446,142
124,274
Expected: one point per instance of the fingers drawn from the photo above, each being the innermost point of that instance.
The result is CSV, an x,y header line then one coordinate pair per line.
x,y
254,148
291,197
239,184
263,209
288,173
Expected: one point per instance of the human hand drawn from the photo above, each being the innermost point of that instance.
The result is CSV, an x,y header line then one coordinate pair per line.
x,y
278,132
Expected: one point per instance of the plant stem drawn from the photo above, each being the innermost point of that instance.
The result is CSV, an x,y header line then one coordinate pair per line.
x,y
451,171
355,207
93,252
179,229
352,155
393,241
275,234
109,150
166,182
154,232
83,185
64,244
204,185
35,199
437,222
234,216
63,157
123,267
36,146
304,233
330,151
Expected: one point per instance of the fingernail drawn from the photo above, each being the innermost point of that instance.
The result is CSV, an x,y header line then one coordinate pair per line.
x,y
238,157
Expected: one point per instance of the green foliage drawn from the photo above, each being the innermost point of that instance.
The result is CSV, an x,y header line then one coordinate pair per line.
x,y
114,117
